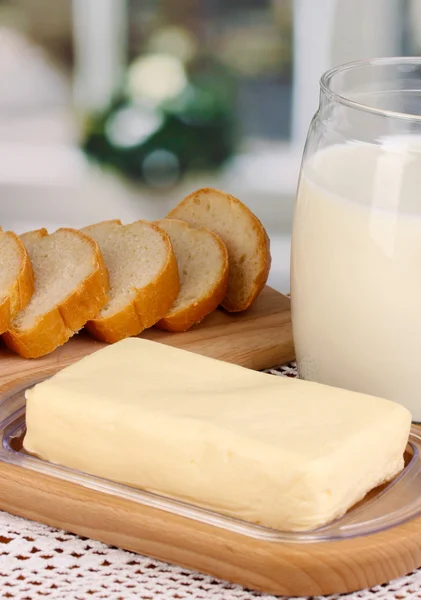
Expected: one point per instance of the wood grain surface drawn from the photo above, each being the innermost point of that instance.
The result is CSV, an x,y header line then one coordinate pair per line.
x,y
261,337
278,568
258,338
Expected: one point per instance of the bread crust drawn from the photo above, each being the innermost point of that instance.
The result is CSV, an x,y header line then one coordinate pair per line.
x,y
147,307
55,327
194,313
21,290
229,303
34,234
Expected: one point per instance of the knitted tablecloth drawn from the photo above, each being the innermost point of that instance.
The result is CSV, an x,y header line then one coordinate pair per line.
x,y
40,562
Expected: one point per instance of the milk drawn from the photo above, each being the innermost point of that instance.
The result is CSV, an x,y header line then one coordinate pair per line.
x,y
356,269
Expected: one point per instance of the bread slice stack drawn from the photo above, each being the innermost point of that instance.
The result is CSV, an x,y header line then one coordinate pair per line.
x,y
203,266
242,233
118,280
71,285
144,280
16,278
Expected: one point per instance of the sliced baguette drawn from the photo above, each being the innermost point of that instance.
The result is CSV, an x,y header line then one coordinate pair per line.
x,y
71,285
16,278
243,235
202,260
144,280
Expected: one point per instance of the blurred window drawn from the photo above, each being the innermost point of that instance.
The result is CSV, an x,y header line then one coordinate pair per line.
x,y
273,52
251,39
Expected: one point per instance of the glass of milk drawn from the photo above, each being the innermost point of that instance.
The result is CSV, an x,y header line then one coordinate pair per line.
x,y
356,242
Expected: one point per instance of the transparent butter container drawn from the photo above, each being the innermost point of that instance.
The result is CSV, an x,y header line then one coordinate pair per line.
x,y
386,507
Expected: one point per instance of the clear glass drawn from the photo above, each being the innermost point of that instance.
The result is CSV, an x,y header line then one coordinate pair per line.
x,y
356,242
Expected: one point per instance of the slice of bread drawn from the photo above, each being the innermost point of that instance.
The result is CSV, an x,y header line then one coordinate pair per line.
x,y
202,260
71,284
16,278
243,235
144,280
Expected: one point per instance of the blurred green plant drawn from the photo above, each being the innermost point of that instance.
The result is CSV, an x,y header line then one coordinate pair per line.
x,y
172,119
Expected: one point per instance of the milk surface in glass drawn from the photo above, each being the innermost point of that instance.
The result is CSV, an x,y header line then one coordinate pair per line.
x,y
356,269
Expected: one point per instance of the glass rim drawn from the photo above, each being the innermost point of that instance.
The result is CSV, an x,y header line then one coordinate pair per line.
x,y
328,76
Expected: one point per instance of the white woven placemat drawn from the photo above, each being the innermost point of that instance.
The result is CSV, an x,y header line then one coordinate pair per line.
x,y
40,562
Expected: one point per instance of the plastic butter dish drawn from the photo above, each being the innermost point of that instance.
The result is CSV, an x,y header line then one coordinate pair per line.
x,y
384,508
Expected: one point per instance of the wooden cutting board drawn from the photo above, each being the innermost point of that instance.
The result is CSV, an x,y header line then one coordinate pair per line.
x,y
258,338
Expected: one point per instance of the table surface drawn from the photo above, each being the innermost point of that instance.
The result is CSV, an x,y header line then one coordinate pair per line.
x,y
40,562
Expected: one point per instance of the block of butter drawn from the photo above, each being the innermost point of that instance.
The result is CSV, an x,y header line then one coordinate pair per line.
x,y
279,452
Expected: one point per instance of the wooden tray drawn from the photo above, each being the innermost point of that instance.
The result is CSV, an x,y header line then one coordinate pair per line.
x,y
259,338
278,565
269,562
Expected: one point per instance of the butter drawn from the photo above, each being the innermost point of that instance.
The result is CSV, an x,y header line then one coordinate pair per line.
x,y
283,453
